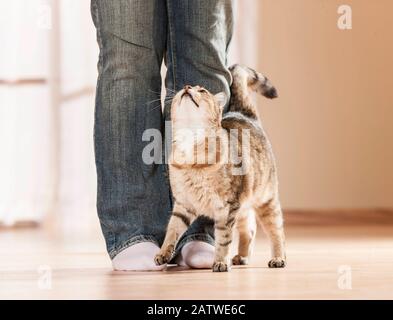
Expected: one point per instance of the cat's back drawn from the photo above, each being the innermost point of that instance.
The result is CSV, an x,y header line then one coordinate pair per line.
x,y
235,123
256,154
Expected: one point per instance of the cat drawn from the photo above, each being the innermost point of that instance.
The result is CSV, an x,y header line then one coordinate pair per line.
x,y
214,187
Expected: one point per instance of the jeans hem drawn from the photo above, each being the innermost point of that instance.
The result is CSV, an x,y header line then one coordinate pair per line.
x,y
134,240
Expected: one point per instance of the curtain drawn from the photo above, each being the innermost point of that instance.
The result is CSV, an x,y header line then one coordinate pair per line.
x,y
26,148
47,77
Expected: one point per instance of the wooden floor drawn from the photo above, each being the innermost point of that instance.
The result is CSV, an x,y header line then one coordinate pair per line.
x,y
323,263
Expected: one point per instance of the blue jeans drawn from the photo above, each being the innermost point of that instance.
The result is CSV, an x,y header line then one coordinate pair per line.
x,y
134,36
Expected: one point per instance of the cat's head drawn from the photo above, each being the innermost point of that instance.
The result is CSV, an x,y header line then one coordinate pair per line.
x,y
196,107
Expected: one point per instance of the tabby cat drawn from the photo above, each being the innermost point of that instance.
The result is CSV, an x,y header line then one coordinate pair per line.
x,y
231,193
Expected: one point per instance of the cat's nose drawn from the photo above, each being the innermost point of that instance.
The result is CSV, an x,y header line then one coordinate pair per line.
x,y
187,88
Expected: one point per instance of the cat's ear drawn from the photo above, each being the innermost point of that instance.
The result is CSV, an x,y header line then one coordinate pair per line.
x,y
221,99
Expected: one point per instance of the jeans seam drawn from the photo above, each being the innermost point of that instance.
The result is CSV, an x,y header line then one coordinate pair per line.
x,y
100,67
99,37
172,42
173,58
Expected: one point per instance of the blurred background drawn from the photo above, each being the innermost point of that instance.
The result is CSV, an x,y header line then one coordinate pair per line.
x,y
330,128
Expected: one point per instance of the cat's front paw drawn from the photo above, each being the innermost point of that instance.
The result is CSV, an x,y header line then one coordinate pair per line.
x,y
164,255
239,260
277,263
161,259
220,267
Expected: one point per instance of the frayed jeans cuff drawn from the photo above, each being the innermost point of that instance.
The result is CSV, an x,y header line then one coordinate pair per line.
x,y
134,240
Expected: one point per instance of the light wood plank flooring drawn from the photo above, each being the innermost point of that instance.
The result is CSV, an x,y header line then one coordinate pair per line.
x,y
321,259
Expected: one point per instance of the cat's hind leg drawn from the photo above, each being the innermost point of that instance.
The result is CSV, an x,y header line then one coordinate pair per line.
x,y
179,222
246,226
271,218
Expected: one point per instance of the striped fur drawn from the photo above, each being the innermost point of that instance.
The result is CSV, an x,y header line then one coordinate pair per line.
x,y
245,81
233,201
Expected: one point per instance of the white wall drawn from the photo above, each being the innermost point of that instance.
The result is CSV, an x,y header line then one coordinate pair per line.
x,y
331,127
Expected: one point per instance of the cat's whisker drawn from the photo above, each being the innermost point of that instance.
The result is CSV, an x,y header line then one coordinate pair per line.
x,y
167,97
167,90
153,101
160,104
157,92
155,108
170,90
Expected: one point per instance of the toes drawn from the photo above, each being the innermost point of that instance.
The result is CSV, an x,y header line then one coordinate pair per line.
x,y
220,267
239,260
164,256
277,263
160,259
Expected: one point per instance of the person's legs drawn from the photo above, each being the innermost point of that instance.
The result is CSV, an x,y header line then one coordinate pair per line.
x,y
199,33
133,200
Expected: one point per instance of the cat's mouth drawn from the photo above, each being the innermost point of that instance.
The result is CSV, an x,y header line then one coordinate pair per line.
x,y
188,94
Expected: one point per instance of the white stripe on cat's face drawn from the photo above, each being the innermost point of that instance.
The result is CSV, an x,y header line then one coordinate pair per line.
x,y
196,108
189,109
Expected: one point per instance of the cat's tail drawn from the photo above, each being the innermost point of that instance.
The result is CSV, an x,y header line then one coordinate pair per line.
x,y
246,80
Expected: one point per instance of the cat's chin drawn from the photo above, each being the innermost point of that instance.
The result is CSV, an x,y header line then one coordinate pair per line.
x,y
186,163
195,166
190,156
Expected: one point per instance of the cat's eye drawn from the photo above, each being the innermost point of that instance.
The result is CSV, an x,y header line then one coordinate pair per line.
x,y
202,90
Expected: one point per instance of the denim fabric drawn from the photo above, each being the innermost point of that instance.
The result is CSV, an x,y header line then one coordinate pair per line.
x,y
134,36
